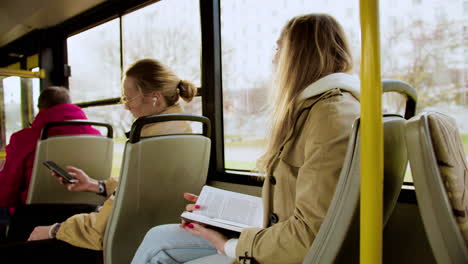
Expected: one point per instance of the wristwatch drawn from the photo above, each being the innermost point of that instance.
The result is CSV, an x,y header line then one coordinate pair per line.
x,y
102,188
54,229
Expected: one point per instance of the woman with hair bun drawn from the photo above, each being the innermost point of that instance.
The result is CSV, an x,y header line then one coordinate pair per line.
x,y
151,88
148,88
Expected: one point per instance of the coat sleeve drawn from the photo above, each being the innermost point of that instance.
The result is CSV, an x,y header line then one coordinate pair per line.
x,y
87,230
111,185
12,180
327,130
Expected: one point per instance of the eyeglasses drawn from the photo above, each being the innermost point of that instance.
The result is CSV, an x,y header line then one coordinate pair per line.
x,y
125,100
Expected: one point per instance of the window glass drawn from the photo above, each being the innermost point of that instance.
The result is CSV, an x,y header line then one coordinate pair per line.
x,y
168,31
425,50
36,90
249,30
394,103
12,102
121,121
94,58
150,32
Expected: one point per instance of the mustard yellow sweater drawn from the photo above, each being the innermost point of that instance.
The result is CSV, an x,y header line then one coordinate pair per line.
x,y
87,230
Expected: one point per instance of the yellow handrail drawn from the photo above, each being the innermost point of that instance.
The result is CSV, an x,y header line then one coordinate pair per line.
x,y
22,73
371,136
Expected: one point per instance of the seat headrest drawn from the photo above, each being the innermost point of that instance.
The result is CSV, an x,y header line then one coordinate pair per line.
x,y
451,161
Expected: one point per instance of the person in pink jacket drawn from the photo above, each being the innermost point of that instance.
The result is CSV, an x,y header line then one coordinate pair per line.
x,y
54,105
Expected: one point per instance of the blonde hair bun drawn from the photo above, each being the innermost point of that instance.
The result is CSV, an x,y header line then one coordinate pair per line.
x,y
187,90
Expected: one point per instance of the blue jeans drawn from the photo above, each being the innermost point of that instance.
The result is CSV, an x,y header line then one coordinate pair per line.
x,y
171,244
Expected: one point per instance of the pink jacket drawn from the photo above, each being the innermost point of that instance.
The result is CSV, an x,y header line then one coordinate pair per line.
x,y
20,153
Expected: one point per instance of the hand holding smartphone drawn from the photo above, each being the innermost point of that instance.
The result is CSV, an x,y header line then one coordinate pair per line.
x,y
59,171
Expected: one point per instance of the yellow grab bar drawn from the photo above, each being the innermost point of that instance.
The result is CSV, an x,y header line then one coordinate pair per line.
x,y
371,136
22,73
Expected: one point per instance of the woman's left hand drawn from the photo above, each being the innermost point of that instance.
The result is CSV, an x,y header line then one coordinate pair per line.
x,y
39,233
216,238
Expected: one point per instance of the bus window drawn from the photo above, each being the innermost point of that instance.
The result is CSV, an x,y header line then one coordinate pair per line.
x,y
393,103
36,89
121,121
12,102
170,32
150,32
248,47
426,51
94,58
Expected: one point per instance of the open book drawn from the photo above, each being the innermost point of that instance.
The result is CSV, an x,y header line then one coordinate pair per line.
x,y
226,210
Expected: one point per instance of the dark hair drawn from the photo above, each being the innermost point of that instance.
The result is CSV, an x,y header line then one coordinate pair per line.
x,y
52,96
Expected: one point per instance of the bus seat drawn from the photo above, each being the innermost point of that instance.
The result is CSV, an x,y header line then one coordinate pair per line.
x,y
440,177
338,238
92,153
155,173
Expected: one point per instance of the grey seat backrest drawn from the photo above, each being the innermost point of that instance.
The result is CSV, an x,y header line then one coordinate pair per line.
x,y
155,173
91,153
440,174
338,238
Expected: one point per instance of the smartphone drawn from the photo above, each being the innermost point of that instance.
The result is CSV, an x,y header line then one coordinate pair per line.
x,y
59,171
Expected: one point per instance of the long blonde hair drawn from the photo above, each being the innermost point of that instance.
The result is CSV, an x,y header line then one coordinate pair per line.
x,y
151,75
312,46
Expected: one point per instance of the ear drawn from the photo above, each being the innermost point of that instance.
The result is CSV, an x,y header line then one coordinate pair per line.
x,y
157,98
157,95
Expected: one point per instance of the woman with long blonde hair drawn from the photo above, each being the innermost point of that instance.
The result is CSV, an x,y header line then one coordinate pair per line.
x,y
316,102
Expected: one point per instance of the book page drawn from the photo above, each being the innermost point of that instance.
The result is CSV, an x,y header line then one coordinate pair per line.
x,y
197,218
230,206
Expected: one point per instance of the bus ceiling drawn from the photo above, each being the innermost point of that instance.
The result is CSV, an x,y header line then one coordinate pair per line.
x,y
19,17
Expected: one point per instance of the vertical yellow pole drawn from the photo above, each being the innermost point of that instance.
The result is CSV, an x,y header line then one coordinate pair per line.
x,y
371,136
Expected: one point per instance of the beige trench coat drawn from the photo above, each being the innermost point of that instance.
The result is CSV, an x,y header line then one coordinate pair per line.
x,y
87,230
298,191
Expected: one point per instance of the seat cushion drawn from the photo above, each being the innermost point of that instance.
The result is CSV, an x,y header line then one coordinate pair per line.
x,y
451,161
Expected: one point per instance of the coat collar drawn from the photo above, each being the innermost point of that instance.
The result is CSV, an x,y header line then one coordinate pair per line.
x,y
344,81
153,128
325,87
173,109
171,127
